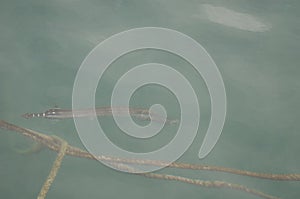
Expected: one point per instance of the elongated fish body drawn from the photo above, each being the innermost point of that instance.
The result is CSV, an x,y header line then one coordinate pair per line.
x,y
58,113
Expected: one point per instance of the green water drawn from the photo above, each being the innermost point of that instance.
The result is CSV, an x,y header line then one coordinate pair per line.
x,y
42,45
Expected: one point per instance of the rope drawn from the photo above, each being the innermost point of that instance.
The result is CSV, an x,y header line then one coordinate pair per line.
x,y
49,142
54,169
59,145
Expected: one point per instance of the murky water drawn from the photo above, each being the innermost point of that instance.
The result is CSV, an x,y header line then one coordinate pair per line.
x,y
255,45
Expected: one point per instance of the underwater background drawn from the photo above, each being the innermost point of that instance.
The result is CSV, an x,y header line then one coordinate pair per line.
x,y
255,45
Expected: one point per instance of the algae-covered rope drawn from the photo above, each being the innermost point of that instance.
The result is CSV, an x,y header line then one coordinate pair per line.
x,y
50,142
197,182
54,169
60,146
210,184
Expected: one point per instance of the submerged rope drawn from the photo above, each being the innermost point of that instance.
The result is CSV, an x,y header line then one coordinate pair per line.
x,y
50,142
60,146
197,182
54,169
211,184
